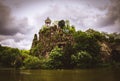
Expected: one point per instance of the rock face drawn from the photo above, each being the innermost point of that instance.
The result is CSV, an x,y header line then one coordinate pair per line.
x,y
110,51
48,38
105,51
35,41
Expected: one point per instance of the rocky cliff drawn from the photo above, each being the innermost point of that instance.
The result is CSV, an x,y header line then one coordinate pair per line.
x,y
62,33
51,36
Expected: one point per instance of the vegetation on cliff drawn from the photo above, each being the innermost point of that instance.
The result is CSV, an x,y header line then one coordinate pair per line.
x,y
60,46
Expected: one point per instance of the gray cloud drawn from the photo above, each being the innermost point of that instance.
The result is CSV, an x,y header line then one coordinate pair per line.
x,y
13,31
81,13
9,25
112,18
4,20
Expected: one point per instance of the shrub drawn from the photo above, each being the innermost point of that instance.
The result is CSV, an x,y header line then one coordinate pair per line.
x,y
31,62
55,59
82,59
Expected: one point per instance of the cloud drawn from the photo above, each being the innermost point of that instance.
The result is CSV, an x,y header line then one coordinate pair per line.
x,y
112,17
4,20
9,25
81,14
13,31
19,23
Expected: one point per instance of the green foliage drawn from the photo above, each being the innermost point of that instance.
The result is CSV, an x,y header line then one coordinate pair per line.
x,y
44,27
114,40
84,47
68,51
69,29
34,51
82,59
97,35
31,62
61,24
86,42
115,56
80,49
55,58
56,53
72,29
9,57
12,57
24,53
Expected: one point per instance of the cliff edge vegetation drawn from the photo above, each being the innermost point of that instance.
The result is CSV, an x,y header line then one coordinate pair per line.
x,y
60,46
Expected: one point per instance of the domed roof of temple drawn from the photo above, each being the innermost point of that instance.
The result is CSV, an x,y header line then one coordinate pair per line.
x,y
48,20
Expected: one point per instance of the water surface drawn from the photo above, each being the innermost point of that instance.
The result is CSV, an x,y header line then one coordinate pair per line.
x,y
60,75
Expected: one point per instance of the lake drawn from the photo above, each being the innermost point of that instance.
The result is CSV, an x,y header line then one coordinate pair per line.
x,y
60,75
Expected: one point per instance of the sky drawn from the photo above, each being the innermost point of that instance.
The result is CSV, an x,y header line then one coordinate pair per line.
x,y
21,19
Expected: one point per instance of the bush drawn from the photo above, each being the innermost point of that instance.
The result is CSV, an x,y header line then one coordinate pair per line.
x,y
32,62
9,56
82,59
55,59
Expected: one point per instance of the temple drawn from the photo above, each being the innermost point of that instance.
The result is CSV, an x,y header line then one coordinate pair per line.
x,y
47,21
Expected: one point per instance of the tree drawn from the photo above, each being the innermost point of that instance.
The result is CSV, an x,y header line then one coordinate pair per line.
x,y
32,62
55,58
9,56
61,23
82,59
97,35
68,51
89,43
86,42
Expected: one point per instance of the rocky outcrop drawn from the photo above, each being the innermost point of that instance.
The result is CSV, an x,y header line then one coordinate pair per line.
x,y
59,35
35,41
48,38
105,51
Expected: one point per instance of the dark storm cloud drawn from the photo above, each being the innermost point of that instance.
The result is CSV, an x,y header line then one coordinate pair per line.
x,y
114,11
8,24
112,18
13,31
5,19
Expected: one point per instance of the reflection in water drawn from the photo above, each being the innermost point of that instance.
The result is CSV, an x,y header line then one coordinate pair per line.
x,y
60,75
